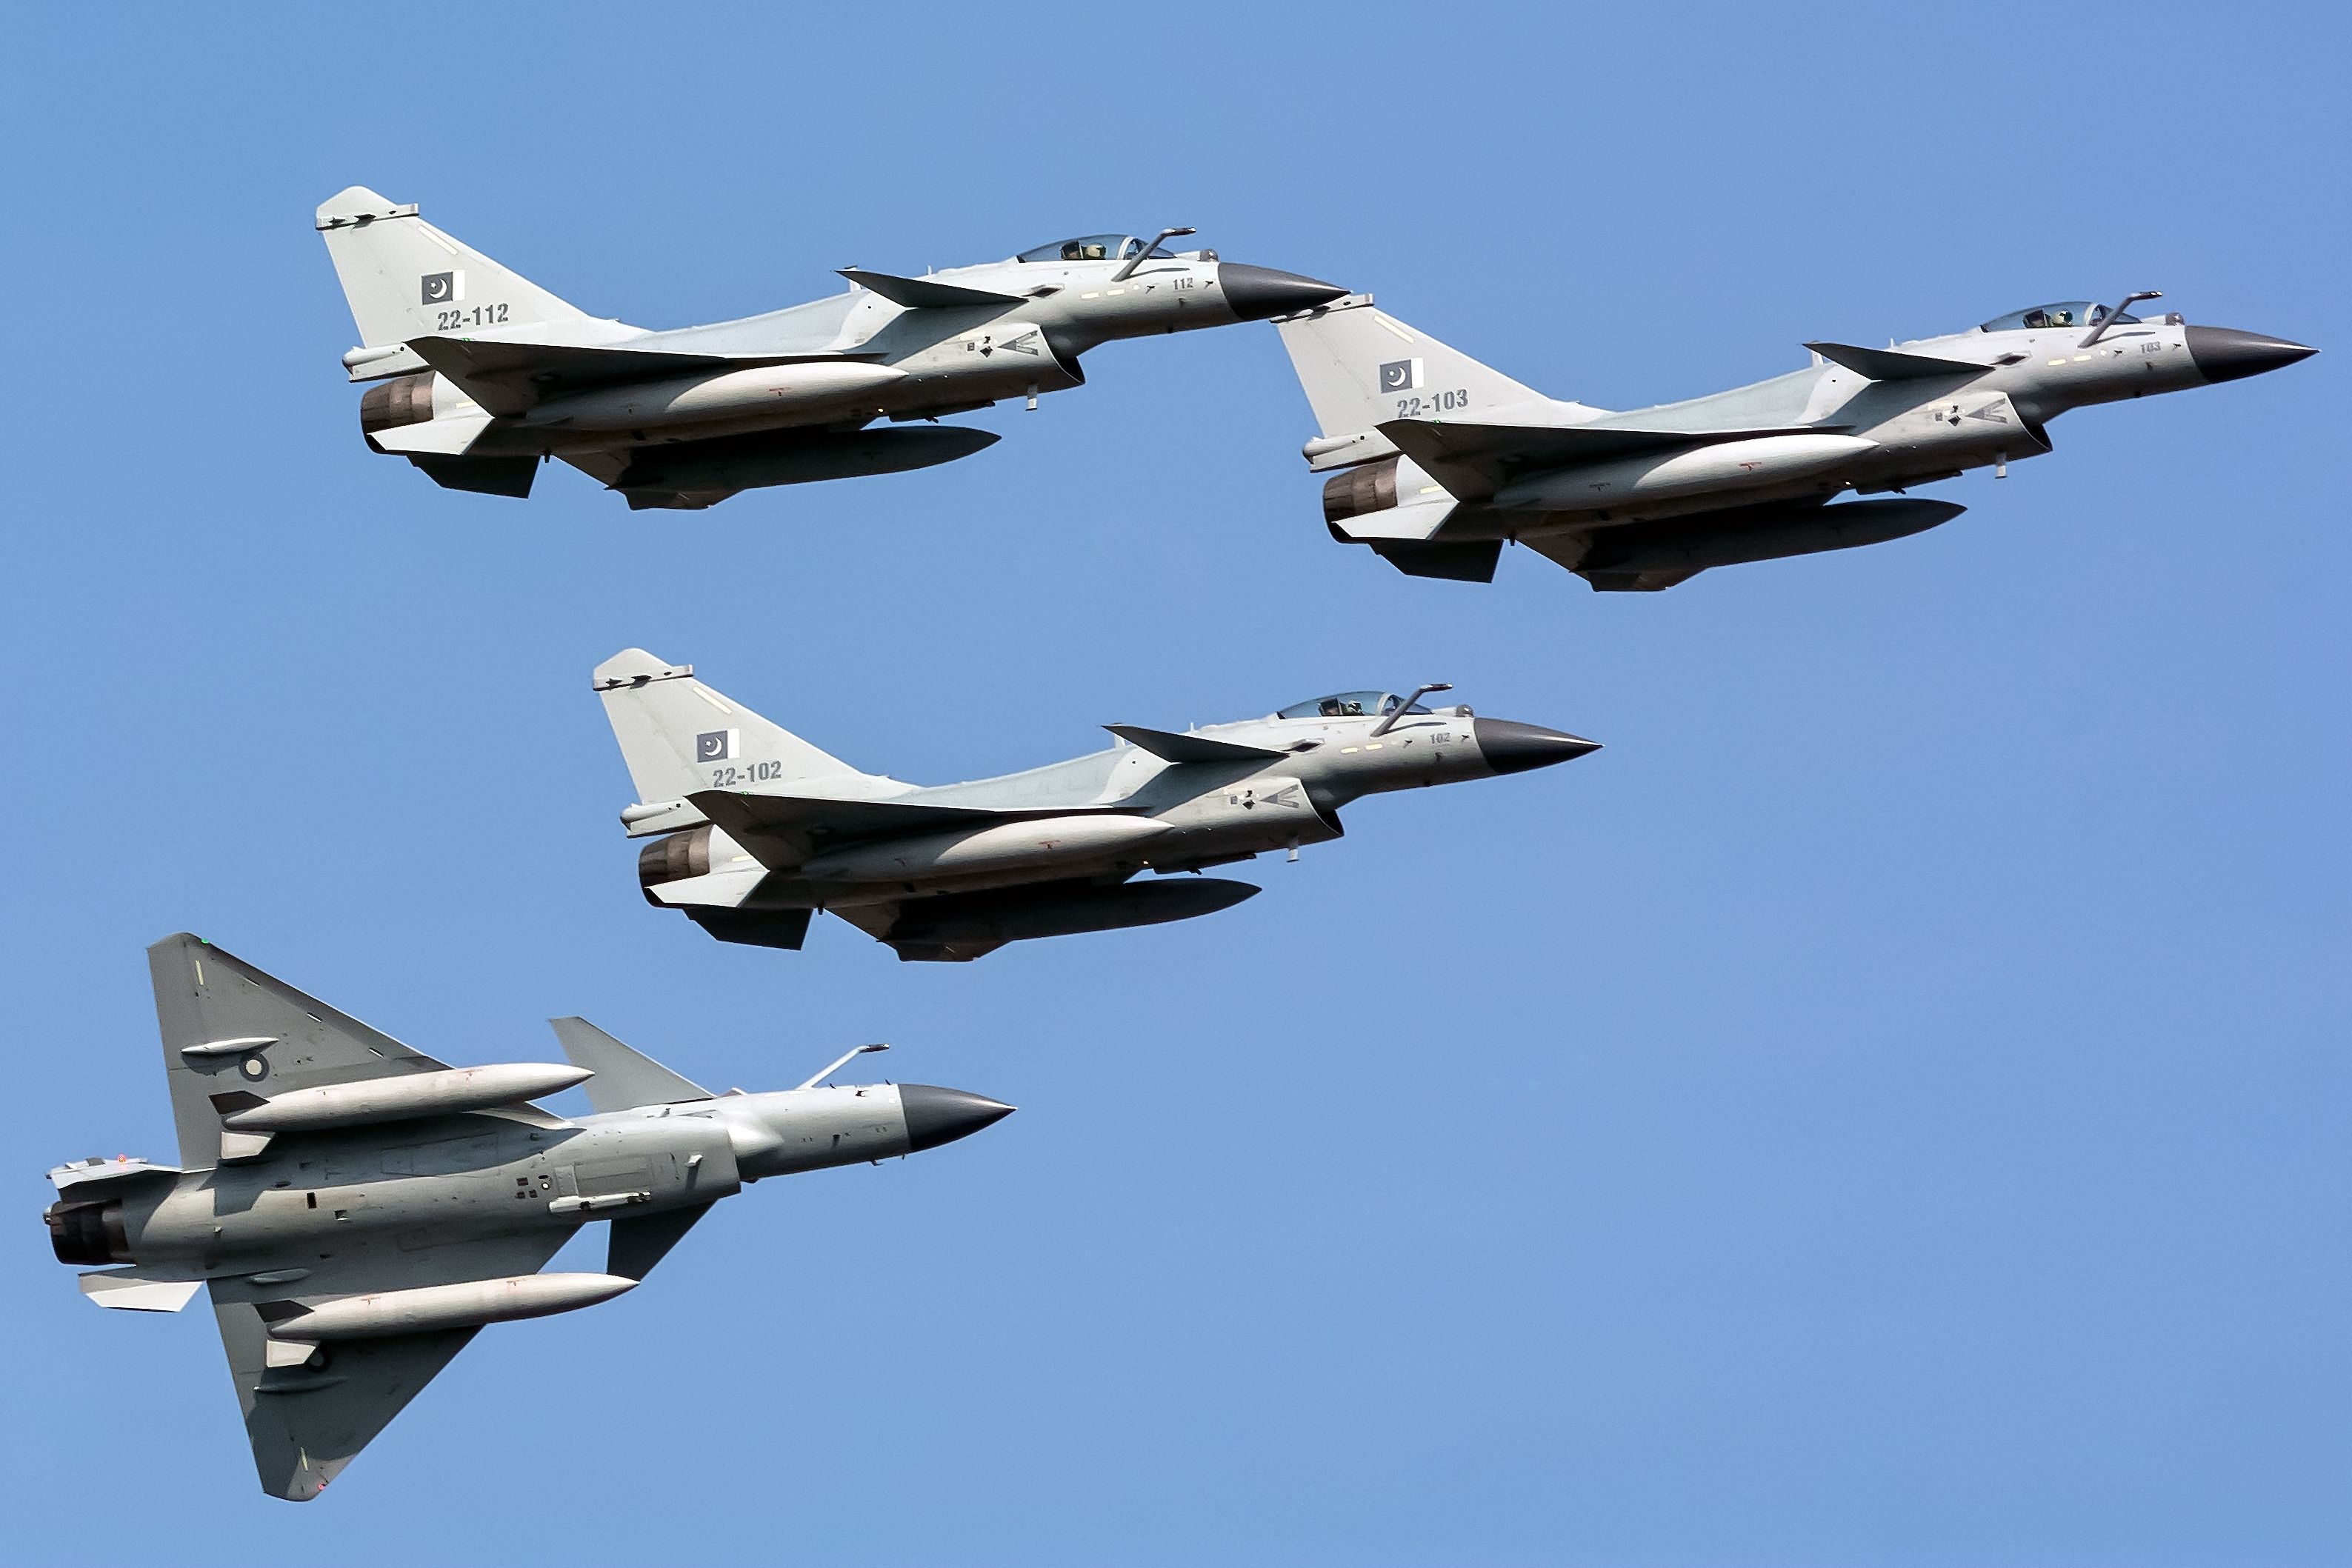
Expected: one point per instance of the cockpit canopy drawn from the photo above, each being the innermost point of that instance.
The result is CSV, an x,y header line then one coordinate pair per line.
x,y
2068,313
1092,248
1348,704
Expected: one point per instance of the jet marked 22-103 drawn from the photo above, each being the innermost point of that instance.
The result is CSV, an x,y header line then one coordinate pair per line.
x,y
1437,483
482,374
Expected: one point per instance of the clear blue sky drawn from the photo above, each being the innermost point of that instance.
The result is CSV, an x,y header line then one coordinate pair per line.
x,y
1889,1106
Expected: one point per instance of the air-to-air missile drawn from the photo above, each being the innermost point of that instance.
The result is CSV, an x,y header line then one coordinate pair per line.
x,y
1442,460
357,1210
753,829
482,374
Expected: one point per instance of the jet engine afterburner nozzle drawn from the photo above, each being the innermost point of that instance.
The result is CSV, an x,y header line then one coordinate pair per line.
x,y
936,1116
675,857
1353,492
87,1232
1261,293
404,399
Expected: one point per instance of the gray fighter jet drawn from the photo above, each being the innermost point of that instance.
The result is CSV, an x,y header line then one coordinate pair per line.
x,y
1443,460
358,1210
759,829
485,374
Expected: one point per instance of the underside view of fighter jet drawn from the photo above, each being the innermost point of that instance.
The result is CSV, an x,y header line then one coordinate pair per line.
x,y
359,1211
1443,460
483,375
759,829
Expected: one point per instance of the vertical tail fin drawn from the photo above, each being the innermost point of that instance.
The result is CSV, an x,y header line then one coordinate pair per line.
x,y
625,1079
404,279
1360,366
677,735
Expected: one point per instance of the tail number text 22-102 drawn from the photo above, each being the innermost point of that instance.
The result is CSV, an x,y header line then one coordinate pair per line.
x,y
749,773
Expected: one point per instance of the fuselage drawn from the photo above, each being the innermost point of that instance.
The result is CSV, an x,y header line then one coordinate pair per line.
x,y
311,1196
1890,421
1001,330
1128,809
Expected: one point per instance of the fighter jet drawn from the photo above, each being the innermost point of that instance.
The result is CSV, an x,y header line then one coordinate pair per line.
x,y
483,374
1442,460
759,829
358,1210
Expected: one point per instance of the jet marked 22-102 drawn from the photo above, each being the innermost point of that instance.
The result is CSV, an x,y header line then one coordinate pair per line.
x,y
952,872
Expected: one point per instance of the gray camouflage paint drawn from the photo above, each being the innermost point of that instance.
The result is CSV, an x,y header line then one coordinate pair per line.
x,y
494,373
350,1218
1444,458
754,817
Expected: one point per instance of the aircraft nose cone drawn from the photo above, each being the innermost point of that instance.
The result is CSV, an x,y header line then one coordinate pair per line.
x,y
2226,354
1257,292
936,1116
1511,747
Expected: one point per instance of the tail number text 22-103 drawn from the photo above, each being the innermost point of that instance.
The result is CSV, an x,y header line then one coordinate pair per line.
x,y
1436,402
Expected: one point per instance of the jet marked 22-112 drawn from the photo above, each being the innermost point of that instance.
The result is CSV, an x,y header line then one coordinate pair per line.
x,y
479,391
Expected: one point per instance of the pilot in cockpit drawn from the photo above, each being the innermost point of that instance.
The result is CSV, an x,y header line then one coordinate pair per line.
x,y
1095,248
2068,314
1348,704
